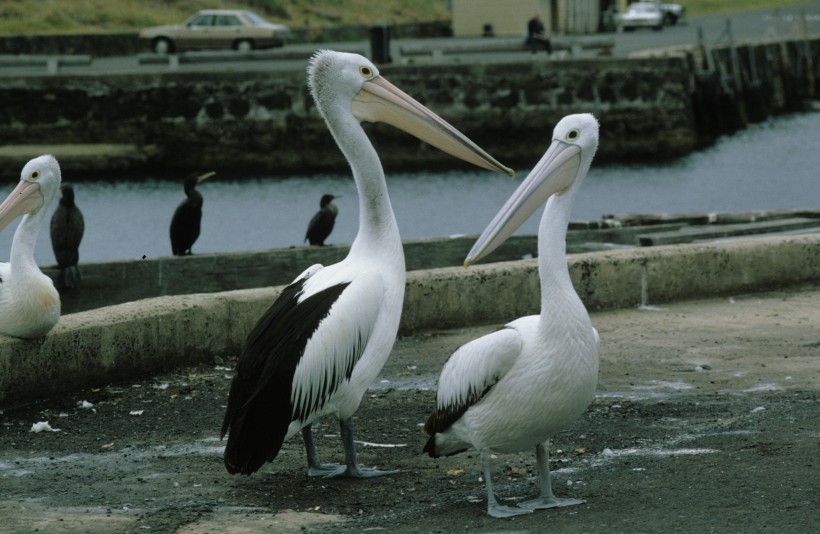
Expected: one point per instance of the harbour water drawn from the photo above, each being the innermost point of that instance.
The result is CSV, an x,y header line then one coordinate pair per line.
x,y
774,165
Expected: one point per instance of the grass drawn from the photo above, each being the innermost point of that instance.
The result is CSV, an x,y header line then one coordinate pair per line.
x,y
94,16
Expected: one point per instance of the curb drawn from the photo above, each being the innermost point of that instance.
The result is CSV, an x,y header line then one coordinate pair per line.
x,y
118,342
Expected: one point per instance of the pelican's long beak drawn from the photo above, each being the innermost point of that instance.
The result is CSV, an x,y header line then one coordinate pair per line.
x,y
25,198
202,177
553,174
381,101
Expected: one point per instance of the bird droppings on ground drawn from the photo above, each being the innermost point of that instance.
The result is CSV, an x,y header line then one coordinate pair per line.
x,y
698,453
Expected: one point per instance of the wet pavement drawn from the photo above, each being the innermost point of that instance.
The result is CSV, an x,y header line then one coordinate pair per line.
x,y
706,420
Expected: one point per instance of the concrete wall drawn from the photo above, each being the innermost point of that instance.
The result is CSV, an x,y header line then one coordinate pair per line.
x,y
116,282
97,347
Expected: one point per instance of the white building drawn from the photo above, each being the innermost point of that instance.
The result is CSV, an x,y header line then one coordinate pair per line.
x,y
509,17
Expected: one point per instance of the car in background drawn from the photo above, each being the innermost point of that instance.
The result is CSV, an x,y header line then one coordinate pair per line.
x,y
640,15
216,29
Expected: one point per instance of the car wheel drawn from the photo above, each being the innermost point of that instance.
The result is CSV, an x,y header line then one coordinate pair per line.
x,y
162,46
243,46
670,19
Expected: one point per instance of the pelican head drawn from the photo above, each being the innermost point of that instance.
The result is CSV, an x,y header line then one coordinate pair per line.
x,y
560,171
39,183
352,81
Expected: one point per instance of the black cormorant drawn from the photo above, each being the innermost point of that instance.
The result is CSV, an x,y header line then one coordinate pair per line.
x,y
322,223
67,227
187,218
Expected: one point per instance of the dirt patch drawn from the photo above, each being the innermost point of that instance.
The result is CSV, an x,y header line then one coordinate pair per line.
x,y
706,420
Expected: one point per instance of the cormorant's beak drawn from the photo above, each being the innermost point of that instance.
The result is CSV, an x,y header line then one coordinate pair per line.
x,y
554,173
25,198
381,101
202,177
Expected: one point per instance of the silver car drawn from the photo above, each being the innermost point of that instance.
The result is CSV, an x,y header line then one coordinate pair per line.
x,y
640,15
216,29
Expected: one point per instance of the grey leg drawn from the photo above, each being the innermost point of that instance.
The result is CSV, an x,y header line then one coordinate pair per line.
x,y
351,467
315,467
546,499
493,508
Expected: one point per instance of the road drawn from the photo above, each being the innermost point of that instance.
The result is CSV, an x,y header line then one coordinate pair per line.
x,y
746,26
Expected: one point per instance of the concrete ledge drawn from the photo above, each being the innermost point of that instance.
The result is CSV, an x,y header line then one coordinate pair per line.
x,y
81,160
100,346
270,54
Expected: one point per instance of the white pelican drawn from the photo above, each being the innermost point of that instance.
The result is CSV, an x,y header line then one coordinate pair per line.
x,y
29,303
66,228
185,224
515,388
322,223
327,336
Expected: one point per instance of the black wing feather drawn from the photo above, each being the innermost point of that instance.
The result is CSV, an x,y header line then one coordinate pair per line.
x,y
259,406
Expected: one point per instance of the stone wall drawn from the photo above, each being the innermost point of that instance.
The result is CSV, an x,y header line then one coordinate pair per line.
x,y
265,121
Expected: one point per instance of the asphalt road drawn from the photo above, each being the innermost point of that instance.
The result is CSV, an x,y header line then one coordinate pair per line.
x,y
746,26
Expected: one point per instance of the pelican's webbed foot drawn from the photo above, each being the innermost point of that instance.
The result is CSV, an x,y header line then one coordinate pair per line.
x,y
499,510
354,471
544,502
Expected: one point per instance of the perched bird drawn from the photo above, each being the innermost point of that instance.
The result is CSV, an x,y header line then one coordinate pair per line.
x,y
322,223
185,224
515,388
326,337
29,303
67,227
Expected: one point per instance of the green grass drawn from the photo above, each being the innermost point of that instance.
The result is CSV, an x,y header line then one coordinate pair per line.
x,y
93,16
715,7
76,16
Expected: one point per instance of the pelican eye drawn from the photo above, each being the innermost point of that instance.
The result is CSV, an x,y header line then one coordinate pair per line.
x,y
366,72
35,175
572,135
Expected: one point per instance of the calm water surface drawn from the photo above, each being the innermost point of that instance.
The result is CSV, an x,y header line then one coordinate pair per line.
x,y
769,166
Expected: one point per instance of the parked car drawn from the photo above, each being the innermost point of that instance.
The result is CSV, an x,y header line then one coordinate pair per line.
x,y
215,29
640,15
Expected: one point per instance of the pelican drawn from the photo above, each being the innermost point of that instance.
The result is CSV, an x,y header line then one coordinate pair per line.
x,y
322,223
513,389
67,227
326,337
29,303
187,218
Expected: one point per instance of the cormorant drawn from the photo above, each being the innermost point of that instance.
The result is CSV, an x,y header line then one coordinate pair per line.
x,y
67,227
322,223
185,225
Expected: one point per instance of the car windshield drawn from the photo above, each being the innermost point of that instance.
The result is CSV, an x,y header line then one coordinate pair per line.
x,y
642,8
254,19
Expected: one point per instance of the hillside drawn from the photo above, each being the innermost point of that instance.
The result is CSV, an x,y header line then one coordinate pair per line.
x,y
59,16
92,16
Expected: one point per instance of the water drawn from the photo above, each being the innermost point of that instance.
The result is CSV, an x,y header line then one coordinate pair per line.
x,y
769,166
